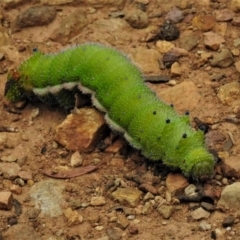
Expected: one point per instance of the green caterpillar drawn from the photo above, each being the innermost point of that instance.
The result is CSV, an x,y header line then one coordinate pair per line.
x,y
117,89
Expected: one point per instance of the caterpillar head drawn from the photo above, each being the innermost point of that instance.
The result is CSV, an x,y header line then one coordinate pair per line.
x,y
203,163
13,92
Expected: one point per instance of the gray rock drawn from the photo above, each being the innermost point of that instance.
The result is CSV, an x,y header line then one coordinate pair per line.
x,y
228,221
47,196
175,15
230,197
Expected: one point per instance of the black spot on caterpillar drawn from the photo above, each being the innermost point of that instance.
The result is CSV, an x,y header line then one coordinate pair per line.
x,y
118,90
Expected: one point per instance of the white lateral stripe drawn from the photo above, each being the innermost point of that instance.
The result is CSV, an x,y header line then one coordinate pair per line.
x,y
54,89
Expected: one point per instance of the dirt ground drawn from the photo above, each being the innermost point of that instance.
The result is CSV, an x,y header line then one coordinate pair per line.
x,y
211,93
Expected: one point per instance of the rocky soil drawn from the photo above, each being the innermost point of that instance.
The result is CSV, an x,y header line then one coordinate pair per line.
x,y
60,184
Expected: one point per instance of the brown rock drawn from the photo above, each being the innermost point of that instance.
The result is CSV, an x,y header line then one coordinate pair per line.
x,y
70,27
235,5
231,166
34,16
176,183
98,201
145,187
224,15
6,199
184,95
81,131
137,18
25,175
188,41
213,40
9,170
236,21
122,221
127,195
176,70
73,217
237,65
203,22
229,93
76,159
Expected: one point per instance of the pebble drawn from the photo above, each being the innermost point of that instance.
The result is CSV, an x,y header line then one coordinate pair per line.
x,y
114,233
15,189
213,40
175,15
132,229
12,221
204,226
188,41
73,217
122,221
9,170
208,206
222,59
231,166
225,94
236,21
34,16
203,22
47,196
76,159
145,187
80,131
190,190
176,183
25,175
228,221
98,201
235,5
147,208
224,15
6,200
164,46
99,228
148,196
70,26
137,18
199,214
166,211
127,195
176,70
